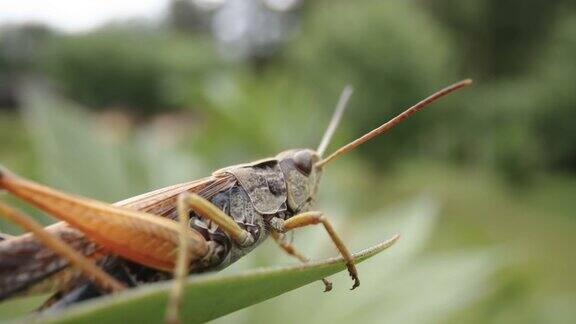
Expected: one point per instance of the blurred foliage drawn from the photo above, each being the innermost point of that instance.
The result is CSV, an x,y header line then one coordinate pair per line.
x,y
134,67
101,69
393,52
391,61
499,38
554,81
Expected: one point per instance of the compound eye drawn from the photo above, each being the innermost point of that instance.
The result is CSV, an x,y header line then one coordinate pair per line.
x,y
303,161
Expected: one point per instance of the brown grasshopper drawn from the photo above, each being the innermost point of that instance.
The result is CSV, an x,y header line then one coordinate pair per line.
x,y
205,225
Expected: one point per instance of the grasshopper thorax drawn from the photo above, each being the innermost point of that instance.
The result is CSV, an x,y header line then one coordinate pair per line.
x,y
301,176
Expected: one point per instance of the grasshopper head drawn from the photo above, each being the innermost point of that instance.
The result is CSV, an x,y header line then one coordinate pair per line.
x,y
302,167
301,175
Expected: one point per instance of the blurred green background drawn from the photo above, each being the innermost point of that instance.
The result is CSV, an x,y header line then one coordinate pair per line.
x,y
481,185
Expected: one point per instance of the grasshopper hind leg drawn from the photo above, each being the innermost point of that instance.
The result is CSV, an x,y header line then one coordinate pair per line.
x,y
75,258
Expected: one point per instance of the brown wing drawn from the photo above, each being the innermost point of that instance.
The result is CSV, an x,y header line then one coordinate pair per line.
x,y
24,261
163,201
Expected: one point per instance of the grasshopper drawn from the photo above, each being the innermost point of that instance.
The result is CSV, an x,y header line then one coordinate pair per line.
x,y
191,227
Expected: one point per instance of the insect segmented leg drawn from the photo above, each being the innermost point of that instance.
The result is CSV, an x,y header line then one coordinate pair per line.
x,y
182,264
206,209
86,265
291,249
314,218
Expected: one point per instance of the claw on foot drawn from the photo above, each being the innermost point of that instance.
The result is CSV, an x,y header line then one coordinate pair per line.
x,y
354,275
327,285
356,283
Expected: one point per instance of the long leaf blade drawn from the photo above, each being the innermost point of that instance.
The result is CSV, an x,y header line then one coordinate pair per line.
x,y
207,296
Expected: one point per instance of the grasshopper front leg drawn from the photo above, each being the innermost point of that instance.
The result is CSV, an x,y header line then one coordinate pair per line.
x,y
315,218
291,250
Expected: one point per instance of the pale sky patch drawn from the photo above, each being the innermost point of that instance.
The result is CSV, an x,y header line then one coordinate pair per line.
x,y
78,15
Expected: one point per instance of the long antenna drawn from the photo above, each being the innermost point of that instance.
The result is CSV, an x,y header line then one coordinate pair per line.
x,y
393,122
336,117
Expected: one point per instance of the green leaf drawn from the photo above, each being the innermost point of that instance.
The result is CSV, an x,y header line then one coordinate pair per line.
x,y
206,296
